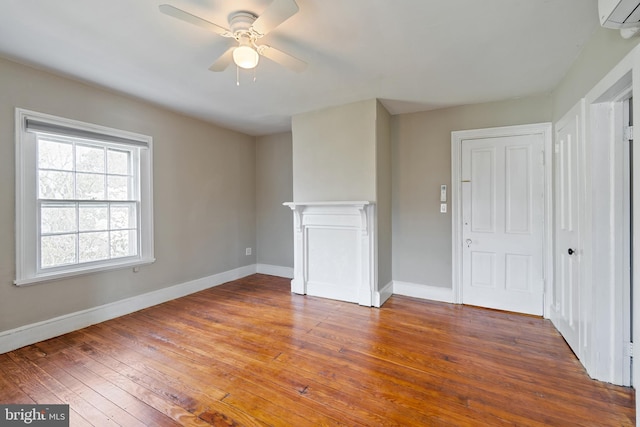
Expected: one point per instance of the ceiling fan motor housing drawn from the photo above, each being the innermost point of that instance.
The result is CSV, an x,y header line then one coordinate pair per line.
x,y
241,24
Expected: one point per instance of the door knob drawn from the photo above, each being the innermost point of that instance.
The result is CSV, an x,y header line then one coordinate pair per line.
x,y
571,251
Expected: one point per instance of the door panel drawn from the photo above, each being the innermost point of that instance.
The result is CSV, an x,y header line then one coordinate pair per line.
x,y
483,270
518,191
518,269
482,165
503,223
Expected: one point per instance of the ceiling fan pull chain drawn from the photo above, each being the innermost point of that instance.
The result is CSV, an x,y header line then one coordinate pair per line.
x,y
237,76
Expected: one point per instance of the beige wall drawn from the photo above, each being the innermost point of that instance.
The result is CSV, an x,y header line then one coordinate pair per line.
x,y
334,154
383,195
274,186
204,196
602,52
421,163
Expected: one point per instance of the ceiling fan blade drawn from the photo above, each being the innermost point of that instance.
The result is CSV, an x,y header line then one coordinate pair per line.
x,y
284,59
277,12
223,61
180,14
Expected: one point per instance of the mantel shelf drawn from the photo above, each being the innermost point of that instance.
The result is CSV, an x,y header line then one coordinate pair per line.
x,y
329,203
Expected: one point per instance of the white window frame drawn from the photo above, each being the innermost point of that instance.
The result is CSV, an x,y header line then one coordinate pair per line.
x,y
27,227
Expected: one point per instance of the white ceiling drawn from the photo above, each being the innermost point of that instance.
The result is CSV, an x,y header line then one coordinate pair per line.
x,y
414,55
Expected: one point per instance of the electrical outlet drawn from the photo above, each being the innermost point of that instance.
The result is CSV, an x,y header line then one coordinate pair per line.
x,y
247,251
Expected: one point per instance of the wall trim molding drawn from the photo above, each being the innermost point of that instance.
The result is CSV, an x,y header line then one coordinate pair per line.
x,y
428,292
40,331
275,270
381,296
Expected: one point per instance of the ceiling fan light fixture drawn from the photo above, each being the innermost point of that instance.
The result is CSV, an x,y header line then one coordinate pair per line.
x,y
245,57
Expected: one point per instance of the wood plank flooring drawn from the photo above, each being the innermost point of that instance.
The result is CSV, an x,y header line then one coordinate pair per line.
x,y
251,353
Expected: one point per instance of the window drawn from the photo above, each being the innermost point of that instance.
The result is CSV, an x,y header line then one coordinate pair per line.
x,y
83,198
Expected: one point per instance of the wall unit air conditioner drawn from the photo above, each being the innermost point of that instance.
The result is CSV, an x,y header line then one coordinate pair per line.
x,y
619,13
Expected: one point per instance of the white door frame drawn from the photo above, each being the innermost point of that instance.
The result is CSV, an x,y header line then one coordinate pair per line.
x,y
605,228
457,138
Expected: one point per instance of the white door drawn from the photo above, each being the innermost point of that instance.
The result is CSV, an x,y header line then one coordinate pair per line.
x,y
503,223
565,307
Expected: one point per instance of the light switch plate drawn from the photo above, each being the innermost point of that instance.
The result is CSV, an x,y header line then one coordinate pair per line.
x,y
443,208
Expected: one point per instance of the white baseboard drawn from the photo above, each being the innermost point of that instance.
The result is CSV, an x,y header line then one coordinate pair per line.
x,y
275,270
434,293
381,296
40,331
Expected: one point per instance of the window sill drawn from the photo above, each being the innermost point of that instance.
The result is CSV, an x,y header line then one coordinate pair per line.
x,y
81,271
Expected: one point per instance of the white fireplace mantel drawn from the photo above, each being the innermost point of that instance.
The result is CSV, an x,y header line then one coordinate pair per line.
x,y
334,250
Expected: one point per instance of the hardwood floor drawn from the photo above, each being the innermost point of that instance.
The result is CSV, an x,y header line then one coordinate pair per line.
x,y
251,353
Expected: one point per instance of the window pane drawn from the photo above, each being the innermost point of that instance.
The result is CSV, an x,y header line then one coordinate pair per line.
x,y
93,246
93,217
123,243
58,218
57,250
123,216
118,162
55,155
118,188
55,185
90,186
89,159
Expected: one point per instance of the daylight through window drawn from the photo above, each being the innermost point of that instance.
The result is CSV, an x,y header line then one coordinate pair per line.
x,y
87,201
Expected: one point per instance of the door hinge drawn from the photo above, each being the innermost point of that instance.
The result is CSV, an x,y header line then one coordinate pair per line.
x,y
628,349
627,133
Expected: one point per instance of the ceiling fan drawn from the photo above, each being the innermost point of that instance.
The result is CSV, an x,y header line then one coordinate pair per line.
x,y
246,29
